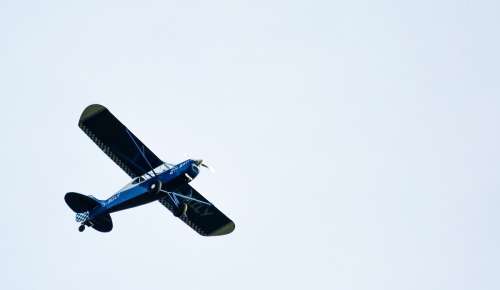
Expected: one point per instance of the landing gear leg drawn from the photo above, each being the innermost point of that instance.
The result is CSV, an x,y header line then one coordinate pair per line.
x,y
184,209
81,228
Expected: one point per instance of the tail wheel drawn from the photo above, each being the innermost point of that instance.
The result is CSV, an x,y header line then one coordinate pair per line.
x,y
81,228
155,187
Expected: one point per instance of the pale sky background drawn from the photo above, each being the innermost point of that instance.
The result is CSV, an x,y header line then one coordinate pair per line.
x,y
355,143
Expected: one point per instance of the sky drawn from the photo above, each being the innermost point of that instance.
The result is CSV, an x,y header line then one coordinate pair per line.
x,y
355,142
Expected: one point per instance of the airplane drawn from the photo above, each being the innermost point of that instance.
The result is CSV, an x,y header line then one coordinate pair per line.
x,y
152,180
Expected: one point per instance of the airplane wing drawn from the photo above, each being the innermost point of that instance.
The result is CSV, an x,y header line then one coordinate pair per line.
x,y
203,217
123,147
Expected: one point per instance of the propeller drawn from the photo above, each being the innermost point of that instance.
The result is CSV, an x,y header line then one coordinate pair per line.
x,y
200,162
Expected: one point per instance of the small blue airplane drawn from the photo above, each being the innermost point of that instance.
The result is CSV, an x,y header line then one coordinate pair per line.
x,y
152,180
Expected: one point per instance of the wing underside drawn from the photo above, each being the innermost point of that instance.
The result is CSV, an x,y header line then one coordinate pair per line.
x,y
121,145
202,216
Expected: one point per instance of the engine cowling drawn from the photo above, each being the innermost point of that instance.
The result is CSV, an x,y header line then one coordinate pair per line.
x,y
193,171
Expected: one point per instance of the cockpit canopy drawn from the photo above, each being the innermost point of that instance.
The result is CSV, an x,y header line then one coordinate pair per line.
x,y
137,180
132,183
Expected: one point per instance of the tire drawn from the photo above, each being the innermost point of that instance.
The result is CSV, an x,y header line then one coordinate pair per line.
x,y
181,210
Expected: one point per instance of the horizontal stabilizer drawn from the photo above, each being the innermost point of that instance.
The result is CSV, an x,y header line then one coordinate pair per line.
x,y
79,202
103,223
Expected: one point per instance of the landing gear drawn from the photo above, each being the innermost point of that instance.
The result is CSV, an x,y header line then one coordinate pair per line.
x,y
181,210
155,187
81,228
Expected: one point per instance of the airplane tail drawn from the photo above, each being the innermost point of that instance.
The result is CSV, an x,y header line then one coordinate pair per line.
x,y
82,205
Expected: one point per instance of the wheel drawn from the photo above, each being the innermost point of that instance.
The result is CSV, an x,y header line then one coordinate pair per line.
x,y
81,228
181,210
155,187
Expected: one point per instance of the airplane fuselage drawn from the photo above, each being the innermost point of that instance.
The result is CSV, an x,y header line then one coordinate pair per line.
x,y
142,192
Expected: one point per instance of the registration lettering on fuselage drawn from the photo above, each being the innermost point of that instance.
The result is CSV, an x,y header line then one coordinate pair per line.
x,y
113,198
174,169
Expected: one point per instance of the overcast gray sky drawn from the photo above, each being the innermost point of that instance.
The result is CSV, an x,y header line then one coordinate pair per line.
x,y
355,142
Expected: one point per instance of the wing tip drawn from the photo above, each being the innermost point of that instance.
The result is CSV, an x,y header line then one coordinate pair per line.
x,y
90,111
224,230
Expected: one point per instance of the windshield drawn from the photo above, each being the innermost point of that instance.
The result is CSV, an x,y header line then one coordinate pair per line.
x,y
137,180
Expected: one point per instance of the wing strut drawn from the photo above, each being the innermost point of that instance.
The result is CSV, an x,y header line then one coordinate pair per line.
x,y
141,151
175,200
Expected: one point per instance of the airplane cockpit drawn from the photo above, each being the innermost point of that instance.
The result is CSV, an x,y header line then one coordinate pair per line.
x,y
139,179
132,183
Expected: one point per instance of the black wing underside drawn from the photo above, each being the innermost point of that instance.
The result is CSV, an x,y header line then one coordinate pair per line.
x,y
121,145
205,219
